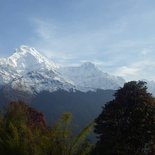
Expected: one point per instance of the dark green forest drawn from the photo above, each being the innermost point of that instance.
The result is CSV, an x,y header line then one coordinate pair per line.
x,y
125,126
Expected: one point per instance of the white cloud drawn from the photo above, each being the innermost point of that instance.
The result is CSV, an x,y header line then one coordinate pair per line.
x,y
126,71
138,70
107,47
44,30
55,38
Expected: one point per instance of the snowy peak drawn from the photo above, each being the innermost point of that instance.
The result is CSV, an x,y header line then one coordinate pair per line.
x,y
88,65
27,57
89,77
88,68
23,49
28,52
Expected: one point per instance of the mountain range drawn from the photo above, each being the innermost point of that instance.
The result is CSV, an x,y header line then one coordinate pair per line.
x,y
27,70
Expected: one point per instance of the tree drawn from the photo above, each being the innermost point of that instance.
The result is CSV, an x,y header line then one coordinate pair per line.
x,y
20,130
62,141
126,124
23,131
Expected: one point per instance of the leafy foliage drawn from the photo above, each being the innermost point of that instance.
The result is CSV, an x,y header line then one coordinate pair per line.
x,y
127,124
23,131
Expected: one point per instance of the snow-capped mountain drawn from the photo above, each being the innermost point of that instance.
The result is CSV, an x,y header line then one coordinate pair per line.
x,y
89,77
26,59
27,70
41,80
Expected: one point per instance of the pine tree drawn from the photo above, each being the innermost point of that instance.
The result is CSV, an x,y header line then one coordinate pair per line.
x,y
127,124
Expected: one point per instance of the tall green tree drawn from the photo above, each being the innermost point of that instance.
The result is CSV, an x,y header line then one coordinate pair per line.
x,y
126,124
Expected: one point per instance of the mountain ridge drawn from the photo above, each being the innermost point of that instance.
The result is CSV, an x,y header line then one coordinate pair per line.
x,y
87,76
28,70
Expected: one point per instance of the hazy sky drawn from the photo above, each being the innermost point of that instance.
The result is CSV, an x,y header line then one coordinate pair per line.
x,y
117,35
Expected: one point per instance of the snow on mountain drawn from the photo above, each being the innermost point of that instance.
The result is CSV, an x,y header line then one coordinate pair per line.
x,y
28,70
89,77
26,59
41,80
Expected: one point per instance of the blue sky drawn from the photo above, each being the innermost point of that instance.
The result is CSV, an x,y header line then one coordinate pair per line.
x,y
117,35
